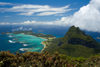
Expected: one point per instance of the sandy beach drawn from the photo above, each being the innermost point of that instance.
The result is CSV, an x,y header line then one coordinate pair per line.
x,y
44,46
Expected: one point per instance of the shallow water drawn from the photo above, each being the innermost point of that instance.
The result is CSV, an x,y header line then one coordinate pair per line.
x,y
21,43
5,45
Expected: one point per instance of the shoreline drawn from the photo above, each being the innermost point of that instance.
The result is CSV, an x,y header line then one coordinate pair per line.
x,y
43,38
44,46
43,42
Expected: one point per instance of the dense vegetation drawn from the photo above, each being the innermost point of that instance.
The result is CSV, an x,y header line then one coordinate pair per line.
x,y
33,59
75,43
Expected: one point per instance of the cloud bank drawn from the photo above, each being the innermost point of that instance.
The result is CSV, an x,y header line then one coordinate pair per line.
x,y
87,18
57,22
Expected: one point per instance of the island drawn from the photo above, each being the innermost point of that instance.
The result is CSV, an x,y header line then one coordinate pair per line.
x,y
41,35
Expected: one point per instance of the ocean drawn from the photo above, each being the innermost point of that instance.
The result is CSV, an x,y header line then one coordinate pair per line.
x,y
23,43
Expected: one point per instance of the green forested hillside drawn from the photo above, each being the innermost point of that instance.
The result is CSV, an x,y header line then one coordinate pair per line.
x,y
75,43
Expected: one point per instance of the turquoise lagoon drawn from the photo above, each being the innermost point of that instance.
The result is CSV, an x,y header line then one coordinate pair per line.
x,y
30,43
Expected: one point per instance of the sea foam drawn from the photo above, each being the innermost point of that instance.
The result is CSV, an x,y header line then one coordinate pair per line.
x,y
10,36
25,45
10,41
23,49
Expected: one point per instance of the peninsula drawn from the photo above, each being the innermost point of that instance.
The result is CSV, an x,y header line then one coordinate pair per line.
x,y
41,35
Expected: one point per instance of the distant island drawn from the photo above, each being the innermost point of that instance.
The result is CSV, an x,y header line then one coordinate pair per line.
x,y
45,36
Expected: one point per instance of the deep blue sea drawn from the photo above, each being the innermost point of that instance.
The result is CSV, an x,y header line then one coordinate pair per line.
x,y
22,42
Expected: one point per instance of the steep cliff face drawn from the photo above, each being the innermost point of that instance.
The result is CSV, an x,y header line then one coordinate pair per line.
x,y
74,43
76,36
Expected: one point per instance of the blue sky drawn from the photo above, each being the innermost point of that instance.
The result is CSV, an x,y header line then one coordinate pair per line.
x,y
13,15
81,13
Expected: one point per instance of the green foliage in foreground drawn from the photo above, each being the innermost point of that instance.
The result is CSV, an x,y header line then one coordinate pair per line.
x,y
34,59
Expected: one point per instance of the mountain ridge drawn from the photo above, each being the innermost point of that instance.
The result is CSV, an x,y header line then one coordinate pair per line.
x,y
74,43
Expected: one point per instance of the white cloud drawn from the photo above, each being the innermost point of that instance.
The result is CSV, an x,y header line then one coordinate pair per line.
x,y
57,22
40,10
5,3
87,18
